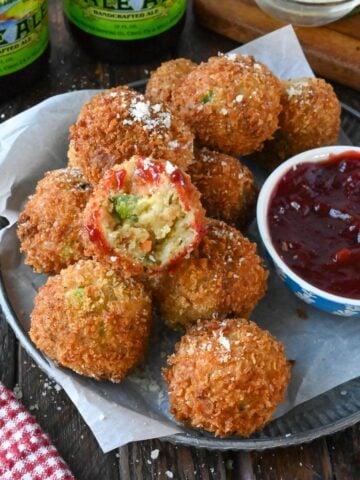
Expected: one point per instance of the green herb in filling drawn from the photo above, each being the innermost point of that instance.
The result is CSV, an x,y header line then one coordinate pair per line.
x,y
67,251
78,292
209,95
125,206
75,297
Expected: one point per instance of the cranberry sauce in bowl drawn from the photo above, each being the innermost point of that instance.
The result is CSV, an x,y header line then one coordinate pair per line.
x,y
308,215
313,219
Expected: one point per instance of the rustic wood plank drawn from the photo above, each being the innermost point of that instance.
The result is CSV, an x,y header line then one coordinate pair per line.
x,y
344,450
307,462
243,466
57,416
137,462
347,25
7,354
8,344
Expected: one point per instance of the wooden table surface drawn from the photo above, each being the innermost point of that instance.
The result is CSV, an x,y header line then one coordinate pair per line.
x,y
335,457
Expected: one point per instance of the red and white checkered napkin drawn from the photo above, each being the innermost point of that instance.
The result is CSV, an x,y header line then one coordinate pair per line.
x,y
26,452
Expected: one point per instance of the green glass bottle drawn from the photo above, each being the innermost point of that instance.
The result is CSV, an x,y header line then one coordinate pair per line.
x,y
126,31
23,43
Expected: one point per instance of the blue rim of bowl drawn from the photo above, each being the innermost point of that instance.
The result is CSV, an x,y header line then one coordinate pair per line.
x,y
315,155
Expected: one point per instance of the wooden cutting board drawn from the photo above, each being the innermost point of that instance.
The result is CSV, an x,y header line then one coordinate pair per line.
x,y
333,50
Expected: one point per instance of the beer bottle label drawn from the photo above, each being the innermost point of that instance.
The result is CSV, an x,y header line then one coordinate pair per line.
x,y
124,19
23,33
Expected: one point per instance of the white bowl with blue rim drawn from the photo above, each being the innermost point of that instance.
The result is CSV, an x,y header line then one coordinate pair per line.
x,y
307,292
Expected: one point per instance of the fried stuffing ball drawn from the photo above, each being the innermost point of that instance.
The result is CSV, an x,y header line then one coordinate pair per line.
x,y
143,216
91,320
119,123
227,378
49,226
223,277
231,103
168,76
228,189
310,118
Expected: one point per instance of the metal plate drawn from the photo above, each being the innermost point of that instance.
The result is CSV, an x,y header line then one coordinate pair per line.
x,y
323,415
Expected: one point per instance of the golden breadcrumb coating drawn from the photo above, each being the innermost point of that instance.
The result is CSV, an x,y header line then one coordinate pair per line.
x,y
143,216
228,189
49,226
227,377
91,320
223,277
165,78
310,118
231,103
118,123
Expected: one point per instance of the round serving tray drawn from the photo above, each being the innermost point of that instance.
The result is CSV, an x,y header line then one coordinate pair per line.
x,y
327,413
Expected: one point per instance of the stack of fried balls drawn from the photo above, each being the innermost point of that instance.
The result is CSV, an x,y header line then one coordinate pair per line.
x,y
149,215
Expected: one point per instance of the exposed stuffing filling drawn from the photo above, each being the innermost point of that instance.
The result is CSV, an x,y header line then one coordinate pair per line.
x,y
151,227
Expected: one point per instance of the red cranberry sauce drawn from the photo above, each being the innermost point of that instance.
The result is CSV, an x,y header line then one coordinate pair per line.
x,y
314,222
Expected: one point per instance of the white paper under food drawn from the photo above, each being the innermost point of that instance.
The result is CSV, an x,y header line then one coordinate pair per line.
x,y
325,348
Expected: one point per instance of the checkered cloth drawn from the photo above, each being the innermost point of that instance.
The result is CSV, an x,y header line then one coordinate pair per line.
x,y
26,452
